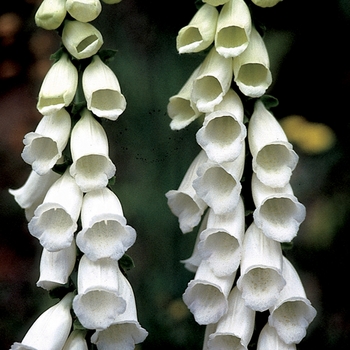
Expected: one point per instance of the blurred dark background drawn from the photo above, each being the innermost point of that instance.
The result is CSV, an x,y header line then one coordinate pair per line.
x,y
308,46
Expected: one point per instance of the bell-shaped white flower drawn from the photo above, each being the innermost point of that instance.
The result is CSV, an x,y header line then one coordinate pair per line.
x,y
278,212
206,295
233,29
220,244
58,87
44,146
84,10
50,14
56,267
261,278
102,90
33,192
51,328
55,220
235,329
82,40
180,107
184,202
125,331
251,68
273,156
266,3
293,312
215,2
92,167
199,33
104,233
269,339
100,293
76,341
218,185
213,81
223,131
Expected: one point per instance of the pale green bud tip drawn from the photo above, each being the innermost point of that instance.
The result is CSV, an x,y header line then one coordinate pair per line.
x,y
50,14
266,3
84,11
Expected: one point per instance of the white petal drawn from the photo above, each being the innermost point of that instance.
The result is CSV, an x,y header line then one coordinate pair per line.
x,y
76,341
215,2
84,10
209,329
266,3
50,14
269,339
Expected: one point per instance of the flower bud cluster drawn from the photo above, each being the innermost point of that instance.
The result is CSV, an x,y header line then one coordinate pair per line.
x,y
239,265
70,208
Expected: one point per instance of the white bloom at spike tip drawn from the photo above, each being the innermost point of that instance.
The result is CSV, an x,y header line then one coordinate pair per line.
x,y
125,331
51,328
104,233
184,202
213,81
293,312
235,329
82,40
55,220
84,10
223,131
278,212
100,293
206,295
199,33
76,341
273,156
102,90
50,14
233,29
56,267
58,87
220,243
43,147
92,167
269,339
251,68
33,192
261,278
266,3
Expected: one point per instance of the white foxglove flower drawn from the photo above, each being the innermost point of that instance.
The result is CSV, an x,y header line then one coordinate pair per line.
x,y
33,192
55,220
293,312
261,278
252,67
51,329
278,212
92,167
50,14
100,293
206,295
84,10
213,81
233,29
235,329
273,156
269,339
180,107
76,341
82,40
220,244
209,329
104,233
223,131
199,33
125,331
266,3
58,87
184,202
44,146
218,185
102,90
215,2
56,267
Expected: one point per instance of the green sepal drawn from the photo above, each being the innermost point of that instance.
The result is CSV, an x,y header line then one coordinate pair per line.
x,y
77,326
269,101
287,245
126,263
57,55
107,55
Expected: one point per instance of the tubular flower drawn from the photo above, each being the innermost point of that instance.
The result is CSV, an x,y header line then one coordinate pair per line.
x,y
50,330
84,10
50,14
199,33
58,87
273,156
269,339
76,341
102,90
92,167
44,146
55,220
233,29
266,3
251,68
215,2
